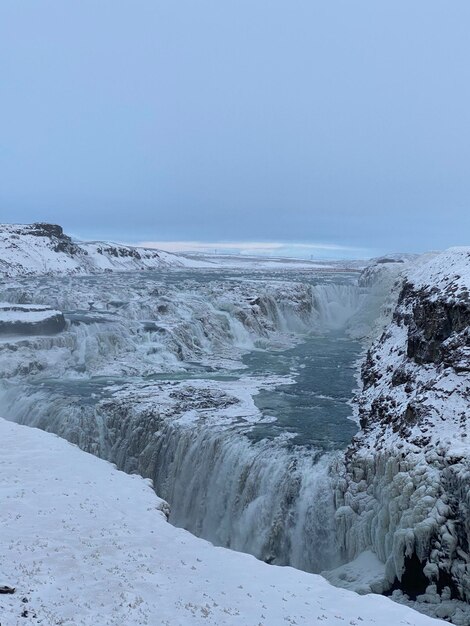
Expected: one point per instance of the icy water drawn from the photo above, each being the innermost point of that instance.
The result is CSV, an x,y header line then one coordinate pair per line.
x,y
316,407
264,488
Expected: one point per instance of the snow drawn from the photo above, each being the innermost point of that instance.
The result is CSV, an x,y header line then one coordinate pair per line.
x,y
38,249
244,262
87,545
364,574
445,275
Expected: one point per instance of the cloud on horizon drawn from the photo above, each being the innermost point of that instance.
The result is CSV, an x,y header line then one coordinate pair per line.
x,y
263,248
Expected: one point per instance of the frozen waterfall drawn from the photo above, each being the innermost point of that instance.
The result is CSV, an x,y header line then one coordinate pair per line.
x,y
265,496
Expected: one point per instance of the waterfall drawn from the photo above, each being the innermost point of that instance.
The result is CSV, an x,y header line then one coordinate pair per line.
x,y
335,304
267,497
259,498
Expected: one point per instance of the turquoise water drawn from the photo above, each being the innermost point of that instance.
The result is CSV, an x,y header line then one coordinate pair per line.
x,y
315,409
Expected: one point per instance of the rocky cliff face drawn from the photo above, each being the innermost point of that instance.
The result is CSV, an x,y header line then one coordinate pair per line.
x,y
405,490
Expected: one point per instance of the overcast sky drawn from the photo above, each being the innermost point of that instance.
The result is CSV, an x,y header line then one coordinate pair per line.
x,y
340,123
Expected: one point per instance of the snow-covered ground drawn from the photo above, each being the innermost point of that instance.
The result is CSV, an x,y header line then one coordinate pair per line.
x,y
85,544
246,261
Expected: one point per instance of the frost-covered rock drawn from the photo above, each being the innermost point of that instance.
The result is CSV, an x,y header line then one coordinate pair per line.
x,y
386,269
405,489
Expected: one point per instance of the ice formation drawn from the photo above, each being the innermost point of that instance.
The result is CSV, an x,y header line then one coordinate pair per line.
x,y
404,490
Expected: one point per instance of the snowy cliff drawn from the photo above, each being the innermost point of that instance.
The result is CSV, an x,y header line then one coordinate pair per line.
x,y
405,490
34,249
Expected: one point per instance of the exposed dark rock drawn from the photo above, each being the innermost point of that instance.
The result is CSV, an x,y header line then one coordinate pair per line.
x,y
61,242
118,252
383,260
413,580
431,324
43,229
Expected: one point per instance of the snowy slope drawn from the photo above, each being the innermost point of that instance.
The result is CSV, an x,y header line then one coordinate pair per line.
x,y
85,544
445,276
31,249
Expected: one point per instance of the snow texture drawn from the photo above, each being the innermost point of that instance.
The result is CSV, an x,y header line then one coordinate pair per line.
x,y
87,545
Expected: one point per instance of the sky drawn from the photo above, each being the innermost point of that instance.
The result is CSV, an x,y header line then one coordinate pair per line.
x,y
323,127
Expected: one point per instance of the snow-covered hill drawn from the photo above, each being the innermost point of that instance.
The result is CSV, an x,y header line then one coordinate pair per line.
x,y
405,491
31,249
86,545
44,249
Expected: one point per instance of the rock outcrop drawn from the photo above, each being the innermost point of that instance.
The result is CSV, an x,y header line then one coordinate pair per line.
x,y
31,319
